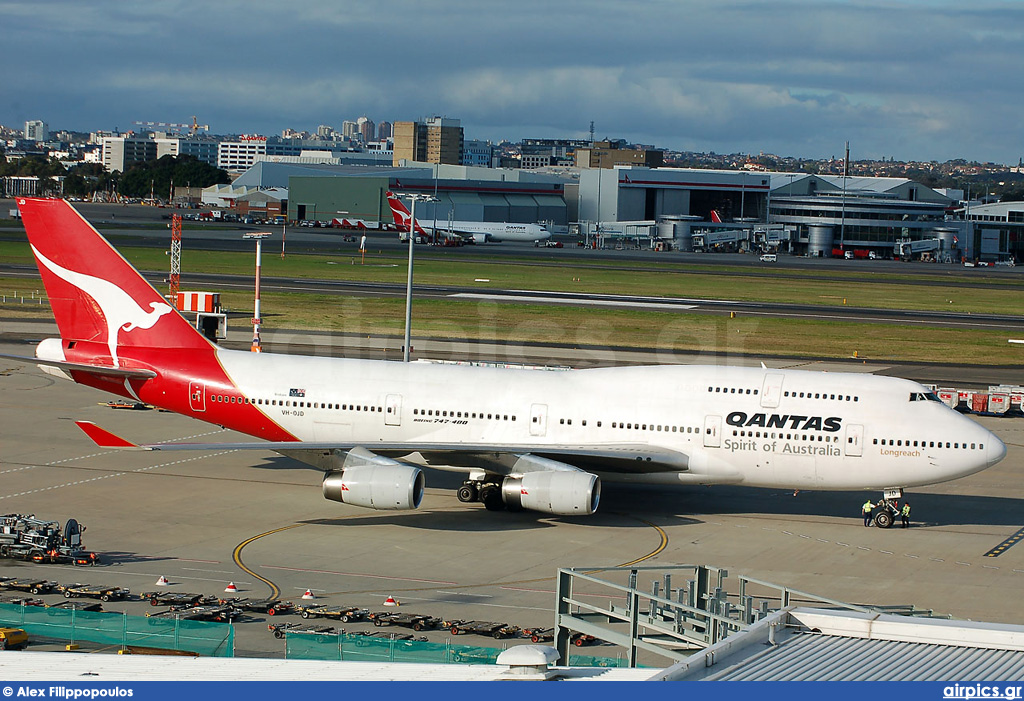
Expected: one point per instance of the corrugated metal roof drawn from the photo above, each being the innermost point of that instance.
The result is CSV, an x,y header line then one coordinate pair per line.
x,y
804,644
807,656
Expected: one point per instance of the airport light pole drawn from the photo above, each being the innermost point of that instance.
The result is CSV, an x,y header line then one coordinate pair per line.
x,y
414,198
256,320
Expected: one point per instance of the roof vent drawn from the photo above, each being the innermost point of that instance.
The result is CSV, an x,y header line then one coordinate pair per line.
x,y
528,662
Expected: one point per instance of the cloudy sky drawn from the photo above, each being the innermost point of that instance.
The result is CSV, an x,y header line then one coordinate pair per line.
x,y
910,79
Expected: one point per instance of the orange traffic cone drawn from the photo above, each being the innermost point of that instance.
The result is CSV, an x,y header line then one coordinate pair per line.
x,y
308,595
390,601
162,582
231,588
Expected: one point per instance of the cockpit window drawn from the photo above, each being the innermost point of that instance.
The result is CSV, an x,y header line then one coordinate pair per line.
x,y
924,397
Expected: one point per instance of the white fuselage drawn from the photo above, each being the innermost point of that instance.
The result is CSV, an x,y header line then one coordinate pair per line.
x,y
493,231
753,426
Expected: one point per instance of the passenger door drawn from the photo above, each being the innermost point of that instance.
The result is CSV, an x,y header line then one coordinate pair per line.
x,y
854,440
771,390
393,410
197,396
712,431
538,419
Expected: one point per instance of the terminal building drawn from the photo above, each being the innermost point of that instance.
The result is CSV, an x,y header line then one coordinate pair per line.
x,y
995,231
827,213
663,208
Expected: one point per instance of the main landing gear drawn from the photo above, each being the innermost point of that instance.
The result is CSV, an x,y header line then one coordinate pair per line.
x,y
487,491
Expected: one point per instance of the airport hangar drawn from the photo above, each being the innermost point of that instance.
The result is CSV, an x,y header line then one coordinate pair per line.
x,y
813,213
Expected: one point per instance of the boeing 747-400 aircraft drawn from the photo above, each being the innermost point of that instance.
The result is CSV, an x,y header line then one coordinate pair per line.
x,y
471,231
525,439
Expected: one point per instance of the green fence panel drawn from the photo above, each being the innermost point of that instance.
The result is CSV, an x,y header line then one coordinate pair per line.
x,y
108,628
591,661
312,647
361,648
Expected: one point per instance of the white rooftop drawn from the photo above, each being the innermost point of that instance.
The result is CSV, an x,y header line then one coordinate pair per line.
x,y
70,666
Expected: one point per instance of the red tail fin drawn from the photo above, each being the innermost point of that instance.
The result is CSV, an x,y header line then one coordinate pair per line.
x,y
96,295
401,214
715,216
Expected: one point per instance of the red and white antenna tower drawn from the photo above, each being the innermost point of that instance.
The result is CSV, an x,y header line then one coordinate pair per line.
x,y
175,279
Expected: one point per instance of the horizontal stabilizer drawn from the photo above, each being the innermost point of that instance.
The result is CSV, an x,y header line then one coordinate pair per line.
x,y
102,437
103,370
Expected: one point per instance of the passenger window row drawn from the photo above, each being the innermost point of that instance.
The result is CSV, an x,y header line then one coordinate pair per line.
x,y
665,428
821,395
654,427
444,413
226,399
786,436
732,390
928,444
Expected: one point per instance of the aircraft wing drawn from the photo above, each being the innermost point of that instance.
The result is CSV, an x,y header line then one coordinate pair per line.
x,y
105,370
619,457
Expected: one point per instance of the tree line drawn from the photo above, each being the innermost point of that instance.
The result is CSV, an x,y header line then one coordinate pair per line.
x,y
138,180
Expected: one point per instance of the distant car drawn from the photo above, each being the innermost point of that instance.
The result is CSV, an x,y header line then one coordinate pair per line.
x,y
769,258
548,244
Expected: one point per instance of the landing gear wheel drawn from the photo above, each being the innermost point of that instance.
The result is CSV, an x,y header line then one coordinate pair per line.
x,y
883,519
467,493
490,495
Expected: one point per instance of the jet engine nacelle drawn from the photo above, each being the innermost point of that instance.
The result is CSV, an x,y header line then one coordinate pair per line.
x,y
564,491
376,482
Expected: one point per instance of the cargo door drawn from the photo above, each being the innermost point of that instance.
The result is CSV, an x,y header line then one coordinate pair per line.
x,y
712,431
197,396
854,440
538,420
393,410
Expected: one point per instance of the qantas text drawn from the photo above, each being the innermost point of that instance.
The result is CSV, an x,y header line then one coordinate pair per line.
x,y
793,422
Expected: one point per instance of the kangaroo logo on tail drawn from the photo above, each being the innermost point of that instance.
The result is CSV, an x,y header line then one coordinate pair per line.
x,y
122,313
401,214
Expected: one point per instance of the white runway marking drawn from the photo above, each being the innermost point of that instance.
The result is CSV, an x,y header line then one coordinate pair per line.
x,y
574,302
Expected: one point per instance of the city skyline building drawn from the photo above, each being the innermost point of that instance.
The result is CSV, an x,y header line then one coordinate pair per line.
x,y
36,130
434,140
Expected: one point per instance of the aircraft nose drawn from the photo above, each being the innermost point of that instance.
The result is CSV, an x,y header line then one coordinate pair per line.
x,y
995,450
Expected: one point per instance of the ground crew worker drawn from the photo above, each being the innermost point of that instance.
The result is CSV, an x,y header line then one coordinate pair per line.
x,y
905,514
867,509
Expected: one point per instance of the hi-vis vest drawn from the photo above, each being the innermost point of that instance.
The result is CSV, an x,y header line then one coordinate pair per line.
x,y
906,510
868,507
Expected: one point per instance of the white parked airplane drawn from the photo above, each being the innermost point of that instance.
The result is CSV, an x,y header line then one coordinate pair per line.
x,y
526,439
470,231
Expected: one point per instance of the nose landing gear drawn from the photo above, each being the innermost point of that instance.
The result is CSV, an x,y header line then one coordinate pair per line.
x,y
887,509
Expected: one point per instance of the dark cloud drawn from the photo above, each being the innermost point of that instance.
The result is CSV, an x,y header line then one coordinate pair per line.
x,y
915,80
